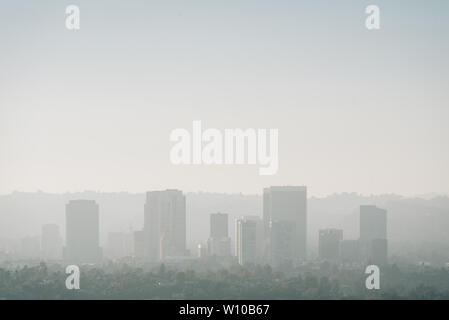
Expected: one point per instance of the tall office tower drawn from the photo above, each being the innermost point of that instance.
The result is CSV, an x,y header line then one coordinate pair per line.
x,y
373,234
378,252
219,243
286,208
249,244
329,244
51,242
350,251
373,223
282,242
139,244
165,225
82,232
219,225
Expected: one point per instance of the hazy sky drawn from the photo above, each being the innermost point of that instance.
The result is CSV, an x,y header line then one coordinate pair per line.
x,y
357,110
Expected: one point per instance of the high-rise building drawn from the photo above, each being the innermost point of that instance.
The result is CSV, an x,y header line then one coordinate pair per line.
x,y
219,243
285,208
82,232
165,225
282,242
51,242
373,223
218,225
373,234
249,244
329,244
378,252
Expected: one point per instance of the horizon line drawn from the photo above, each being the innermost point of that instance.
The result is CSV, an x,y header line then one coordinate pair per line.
x,y
424,196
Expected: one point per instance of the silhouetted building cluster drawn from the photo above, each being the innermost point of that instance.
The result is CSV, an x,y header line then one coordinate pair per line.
x,y
278,238
370,248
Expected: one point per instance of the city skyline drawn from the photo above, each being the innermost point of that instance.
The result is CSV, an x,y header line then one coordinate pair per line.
x,y
279,254
132,224
277,236
222,150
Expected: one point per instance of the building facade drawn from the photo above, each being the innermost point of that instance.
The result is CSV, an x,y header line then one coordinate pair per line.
x,y
165,225
329,244
249,244
82,232
373,234
219,243
285,210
